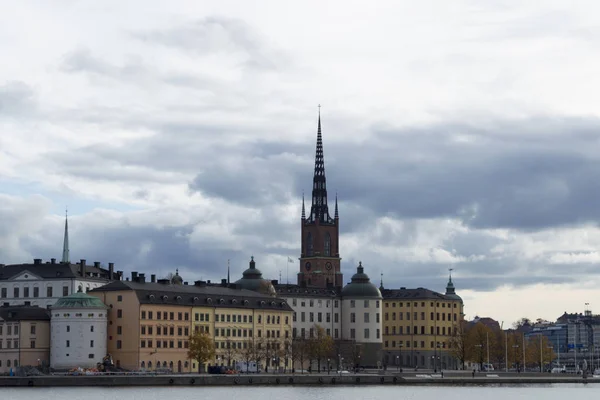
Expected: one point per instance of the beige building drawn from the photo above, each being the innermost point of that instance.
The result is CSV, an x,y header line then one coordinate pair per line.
x,y
24,337
417,327
150,323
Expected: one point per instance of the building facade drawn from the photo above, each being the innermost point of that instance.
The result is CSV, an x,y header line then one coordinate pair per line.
x,y
24,337
150,323
418,325
78,333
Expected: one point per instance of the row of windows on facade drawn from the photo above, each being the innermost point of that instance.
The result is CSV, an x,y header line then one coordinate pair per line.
x,y
416,331
319,303
166,344
406,344
201,317
310,246
14,363
164,330
68,343
36,292
78,315
311,333
416,315
416,304
68,328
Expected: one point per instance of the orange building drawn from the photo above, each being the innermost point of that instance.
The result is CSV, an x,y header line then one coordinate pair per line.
x,y
150,322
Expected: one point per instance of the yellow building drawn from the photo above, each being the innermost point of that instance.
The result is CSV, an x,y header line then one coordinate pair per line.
x,y
24,337
150,322
418,326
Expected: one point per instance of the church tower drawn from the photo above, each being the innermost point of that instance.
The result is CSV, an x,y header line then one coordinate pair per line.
x,y
320,262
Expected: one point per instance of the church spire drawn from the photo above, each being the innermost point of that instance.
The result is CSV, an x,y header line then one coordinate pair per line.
x,y
65,255
319,210
337,215
303,212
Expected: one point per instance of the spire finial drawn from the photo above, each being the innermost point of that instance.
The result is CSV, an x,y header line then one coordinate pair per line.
x,y
303,211
450,273
381,281
65,255
337,215
227,271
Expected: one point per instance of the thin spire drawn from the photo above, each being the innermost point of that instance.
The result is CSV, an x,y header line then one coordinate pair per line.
x,y
65,255
319,209
303,212
228,271
337,215
381,282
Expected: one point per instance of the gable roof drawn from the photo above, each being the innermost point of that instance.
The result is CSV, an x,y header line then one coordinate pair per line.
x,y
24,313
195,295
51,270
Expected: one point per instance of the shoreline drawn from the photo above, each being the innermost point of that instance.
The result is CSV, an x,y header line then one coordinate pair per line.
x,y
404,379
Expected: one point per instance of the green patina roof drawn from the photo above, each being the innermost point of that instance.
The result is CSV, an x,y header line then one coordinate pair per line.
x,y
79,300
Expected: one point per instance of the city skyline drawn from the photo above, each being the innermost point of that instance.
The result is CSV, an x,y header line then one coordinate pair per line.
x,y
456,137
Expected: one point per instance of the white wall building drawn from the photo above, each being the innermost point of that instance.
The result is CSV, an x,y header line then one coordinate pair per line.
x,y
78,329
42,284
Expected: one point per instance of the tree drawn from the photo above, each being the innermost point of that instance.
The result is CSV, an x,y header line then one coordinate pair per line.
x,y
300,351
459,342
479,338
521,322
230,350
540,351
320,345
286,352
248,353
202,349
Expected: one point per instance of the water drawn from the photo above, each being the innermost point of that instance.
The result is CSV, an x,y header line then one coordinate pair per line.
x,y
546,392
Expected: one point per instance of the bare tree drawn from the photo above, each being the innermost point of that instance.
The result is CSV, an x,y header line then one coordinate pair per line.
x,y
286,352
300,351
248,352
459,342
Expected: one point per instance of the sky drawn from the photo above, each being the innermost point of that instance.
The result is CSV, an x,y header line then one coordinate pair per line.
x,y
457,135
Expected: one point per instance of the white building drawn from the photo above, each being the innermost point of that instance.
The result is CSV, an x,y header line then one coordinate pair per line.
x,y
42,284
78,329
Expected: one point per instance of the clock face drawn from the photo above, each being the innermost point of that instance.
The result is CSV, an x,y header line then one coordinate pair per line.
x,y
328,266
307,266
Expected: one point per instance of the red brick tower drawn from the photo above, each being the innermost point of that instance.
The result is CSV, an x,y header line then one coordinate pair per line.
x,y
320,262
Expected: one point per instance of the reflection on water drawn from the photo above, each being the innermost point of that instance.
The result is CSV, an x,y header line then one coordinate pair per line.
x,y
546,392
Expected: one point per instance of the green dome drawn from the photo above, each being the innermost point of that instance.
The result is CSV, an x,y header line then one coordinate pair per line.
x,y
360,286
252,280
451,292
79,300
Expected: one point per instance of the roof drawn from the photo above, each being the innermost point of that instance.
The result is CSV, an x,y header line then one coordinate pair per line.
x,y
252,279
195,295
78,300
55,270
289,290
24,313
361,286
413,294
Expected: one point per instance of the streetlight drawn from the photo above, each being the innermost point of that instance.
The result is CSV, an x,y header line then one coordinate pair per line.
x,y
400,344
516,346
328,366
398,363
480,350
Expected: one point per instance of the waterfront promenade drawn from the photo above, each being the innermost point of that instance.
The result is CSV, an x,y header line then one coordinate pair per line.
x,y
460,378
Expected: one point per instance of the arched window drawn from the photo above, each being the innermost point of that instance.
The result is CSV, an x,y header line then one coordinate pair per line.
x,y
149,364
310,249
171,365
15,363
143,364
7,363
327,244
164,364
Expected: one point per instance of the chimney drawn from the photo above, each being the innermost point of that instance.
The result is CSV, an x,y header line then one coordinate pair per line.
x,y
164,281
200,283
111,271
142,278
119,275
97,264
153,278
134,276
224,282
53,261
82,268
37,261
208,282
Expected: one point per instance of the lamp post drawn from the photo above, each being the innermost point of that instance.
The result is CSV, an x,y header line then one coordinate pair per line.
x,y
480,357
400,344
516,346
328,366
398,363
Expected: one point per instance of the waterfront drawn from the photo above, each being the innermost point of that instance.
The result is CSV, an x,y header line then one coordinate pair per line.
x,y
548,392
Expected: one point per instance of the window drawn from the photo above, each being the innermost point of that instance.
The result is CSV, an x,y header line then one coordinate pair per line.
x,y
150,314
32,329
25,292
335,317
366,303
327,244
119,344
120,298
65,290
353,333
366,333
377,317
143,313
49,291
366,317
143,329
32,344
68,328
309,245
3,294
119,330
180,316
36,291
16,292
171,316
68,344
352,317
16,330
119,313
90,356
312,317
91,343
92,328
